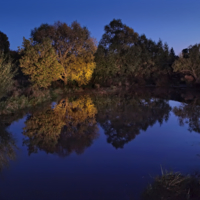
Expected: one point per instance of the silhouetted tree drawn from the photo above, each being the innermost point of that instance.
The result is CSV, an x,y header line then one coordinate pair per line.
x,y
123,55
117,54
4,43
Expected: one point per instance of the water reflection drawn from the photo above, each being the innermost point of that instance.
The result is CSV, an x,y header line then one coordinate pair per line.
x,y
7,144
123,117
189,113
69,127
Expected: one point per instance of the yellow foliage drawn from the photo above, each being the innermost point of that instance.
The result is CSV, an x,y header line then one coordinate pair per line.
x,y
80,72
44,128
40,63
76,119
80,113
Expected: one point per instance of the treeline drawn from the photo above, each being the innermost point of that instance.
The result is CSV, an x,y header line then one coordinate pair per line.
x,y
66,55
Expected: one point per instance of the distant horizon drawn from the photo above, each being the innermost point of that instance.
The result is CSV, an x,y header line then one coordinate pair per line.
x,y
175,23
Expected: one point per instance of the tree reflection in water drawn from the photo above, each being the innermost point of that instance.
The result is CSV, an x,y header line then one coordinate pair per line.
x,y
69,127
7,144
189,113
123,117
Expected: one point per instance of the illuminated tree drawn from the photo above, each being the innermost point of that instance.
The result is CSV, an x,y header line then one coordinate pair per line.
x,y
74,47
40,63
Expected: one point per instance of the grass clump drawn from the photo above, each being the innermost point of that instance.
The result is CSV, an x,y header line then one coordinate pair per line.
x,y
173,186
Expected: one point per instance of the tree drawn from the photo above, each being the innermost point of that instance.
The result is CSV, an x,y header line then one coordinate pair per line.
x,y
6,75
172,57
117,54
189,62
74,48
4,43
155,58
123,55
40,63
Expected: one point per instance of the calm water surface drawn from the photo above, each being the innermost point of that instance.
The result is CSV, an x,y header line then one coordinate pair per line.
x,y
96,147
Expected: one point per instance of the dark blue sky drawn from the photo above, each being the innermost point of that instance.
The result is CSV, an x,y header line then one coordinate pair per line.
x,y
176,22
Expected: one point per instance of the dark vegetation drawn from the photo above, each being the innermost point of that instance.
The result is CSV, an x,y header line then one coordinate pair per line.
x,y
61,58
123,117
173,186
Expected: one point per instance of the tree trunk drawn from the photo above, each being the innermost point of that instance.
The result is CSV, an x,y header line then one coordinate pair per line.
x,y
65,80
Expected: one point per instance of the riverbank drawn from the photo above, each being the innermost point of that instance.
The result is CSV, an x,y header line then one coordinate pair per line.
x,y
12,104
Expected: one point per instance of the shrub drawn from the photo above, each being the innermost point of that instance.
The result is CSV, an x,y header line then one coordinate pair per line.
x,y
6,76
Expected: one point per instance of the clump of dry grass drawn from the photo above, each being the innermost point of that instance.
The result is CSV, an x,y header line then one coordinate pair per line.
x,y
173,186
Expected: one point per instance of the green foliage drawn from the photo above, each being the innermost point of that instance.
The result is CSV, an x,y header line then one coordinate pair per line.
x,y
123,55
189,62
74,47
40,63
6,76
117,54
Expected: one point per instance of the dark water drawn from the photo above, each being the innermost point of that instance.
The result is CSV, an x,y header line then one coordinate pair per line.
x,y
89,147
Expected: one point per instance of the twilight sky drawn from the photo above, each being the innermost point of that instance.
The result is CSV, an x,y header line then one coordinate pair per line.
x,y
176,22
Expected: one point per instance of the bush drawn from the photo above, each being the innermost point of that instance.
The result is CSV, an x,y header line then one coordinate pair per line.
x,y
6,76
